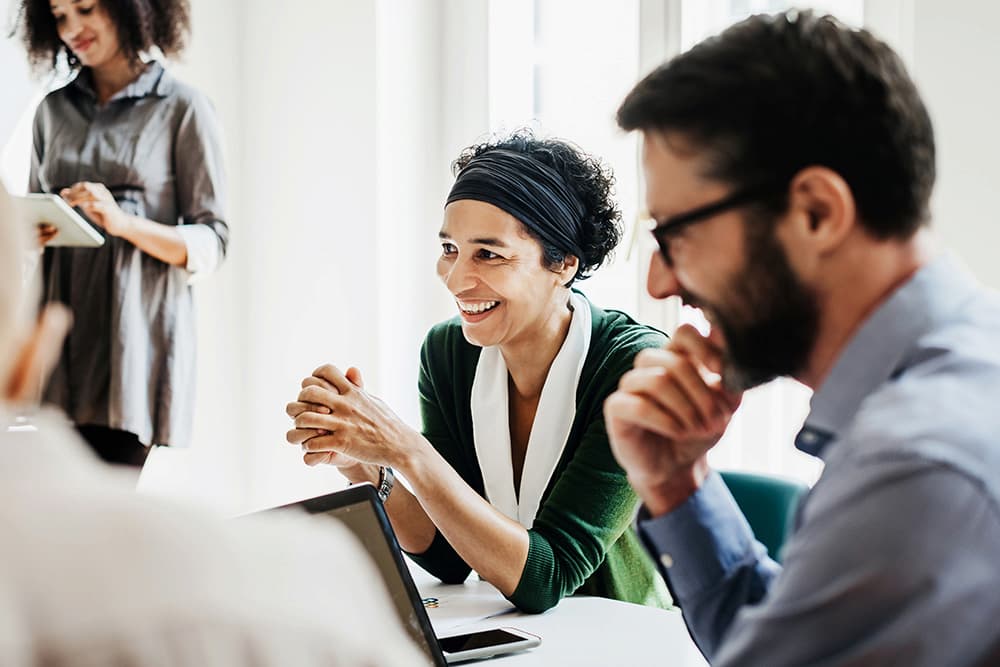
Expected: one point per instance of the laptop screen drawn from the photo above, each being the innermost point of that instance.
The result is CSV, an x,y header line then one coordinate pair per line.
x,y
355,507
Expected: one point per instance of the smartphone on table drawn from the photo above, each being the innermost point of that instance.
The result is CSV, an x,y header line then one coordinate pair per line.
x,y
486,643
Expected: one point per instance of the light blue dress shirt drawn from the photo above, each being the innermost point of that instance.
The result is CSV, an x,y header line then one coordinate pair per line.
x,y
896,554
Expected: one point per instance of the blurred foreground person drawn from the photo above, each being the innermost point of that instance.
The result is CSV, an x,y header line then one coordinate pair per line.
x,y
87,579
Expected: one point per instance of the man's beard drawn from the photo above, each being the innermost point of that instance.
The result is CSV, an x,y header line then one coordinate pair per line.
x,y
773,328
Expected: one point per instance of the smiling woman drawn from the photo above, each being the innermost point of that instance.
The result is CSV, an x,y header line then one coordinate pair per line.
x,y
86,32
511,475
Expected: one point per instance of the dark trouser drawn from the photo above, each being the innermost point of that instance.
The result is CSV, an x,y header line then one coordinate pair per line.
x,y
114,446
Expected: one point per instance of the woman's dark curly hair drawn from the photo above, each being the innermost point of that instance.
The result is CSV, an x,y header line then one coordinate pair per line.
x,y
591,180
141,24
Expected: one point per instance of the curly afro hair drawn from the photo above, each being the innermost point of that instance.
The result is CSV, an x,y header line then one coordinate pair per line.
x,y
591,180
141,24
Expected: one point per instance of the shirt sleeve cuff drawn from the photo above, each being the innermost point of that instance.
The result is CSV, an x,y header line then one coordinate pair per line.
x,y
701,542
203,252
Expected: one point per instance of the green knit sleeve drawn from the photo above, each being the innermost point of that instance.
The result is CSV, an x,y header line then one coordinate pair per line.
x,y
591,505
440,559
589,509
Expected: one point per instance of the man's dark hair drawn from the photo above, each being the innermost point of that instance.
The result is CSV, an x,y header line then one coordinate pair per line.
x,y
141,25
775,94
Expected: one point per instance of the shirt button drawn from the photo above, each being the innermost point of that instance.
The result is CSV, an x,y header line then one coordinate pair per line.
x,y
808,437
667,561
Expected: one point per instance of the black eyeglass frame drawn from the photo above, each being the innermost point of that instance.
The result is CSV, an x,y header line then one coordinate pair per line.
x,y
662,231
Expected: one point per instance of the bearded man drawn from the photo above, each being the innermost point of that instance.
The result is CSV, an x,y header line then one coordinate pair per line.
x,y
788,165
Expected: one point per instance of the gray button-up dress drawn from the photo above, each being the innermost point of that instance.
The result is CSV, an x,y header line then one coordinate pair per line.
x,y
129,361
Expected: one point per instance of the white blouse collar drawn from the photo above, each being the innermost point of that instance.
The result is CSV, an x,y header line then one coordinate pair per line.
x,y
553,420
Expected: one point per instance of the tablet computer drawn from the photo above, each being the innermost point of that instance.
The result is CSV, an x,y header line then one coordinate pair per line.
x,y
74,229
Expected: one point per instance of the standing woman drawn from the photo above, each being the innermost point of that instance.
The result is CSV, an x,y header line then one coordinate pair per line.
x,y
140,154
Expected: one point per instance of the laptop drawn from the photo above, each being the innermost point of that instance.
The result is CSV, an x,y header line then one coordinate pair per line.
x,y
358,508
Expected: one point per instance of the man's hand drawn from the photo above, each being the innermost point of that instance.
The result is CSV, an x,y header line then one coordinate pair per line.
x,y
668,411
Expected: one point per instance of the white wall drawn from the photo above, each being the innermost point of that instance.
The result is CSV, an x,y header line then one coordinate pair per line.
x,y
412,179
342,119
296,93
19,92
956,53
309,214
951,51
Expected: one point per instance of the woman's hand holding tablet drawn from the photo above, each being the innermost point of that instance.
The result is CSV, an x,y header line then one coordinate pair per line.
x,y
59,224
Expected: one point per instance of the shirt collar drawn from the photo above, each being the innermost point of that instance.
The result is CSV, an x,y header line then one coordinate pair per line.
x,y
882,348
554,419
154,80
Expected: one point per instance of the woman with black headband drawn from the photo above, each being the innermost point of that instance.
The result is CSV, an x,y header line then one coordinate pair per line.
x,y
512,475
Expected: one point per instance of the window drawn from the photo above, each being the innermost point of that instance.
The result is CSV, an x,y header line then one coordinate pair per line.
x,y
563,67
759,437
702,18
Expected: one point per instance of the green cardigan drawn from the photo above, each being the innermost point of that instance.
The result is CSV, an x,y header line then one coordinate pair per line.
x,y
582,540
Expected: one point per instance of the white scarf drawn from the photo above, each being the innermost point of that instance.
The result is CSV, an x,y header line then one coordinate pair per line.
x,y
553,420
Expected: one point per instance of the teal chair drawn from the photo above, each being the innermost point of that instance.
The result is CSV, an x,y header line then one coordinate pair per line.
x,y
769,504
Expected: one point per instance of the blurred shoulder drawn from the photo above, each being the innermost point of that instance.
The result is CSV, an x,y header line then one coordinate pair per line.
x,y
282,588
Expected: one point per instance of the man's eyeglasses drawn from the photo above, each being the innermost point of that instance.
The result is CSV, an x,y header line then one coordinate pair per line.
x,y
663,231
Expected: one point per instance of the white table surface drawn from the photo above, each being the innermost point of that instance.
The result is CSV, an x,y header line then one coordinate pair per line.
x,y
578,631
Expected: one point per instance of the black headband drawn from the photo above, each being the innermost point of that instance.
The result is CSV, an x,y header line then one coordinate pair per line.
x,y
529,190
